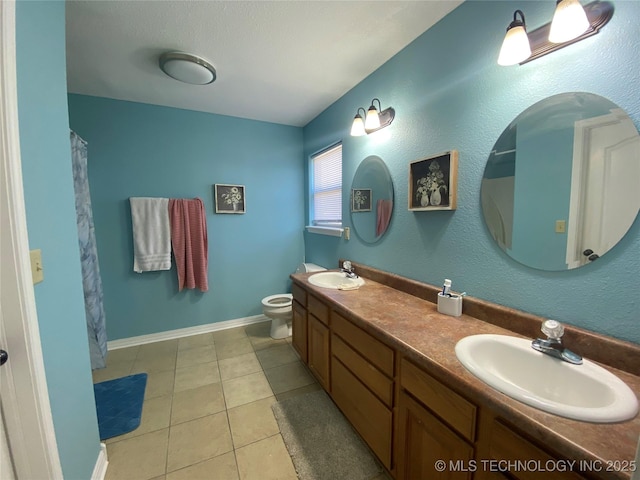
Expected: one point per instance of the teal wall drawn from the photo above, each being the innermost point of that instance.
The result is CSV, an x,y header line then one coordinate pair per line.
x,y
449,93
138,150
51,223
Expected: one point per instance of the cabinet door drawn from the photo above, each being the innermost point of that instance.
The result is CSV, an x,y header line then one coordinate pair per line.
x,y
318,352
299,330
423,441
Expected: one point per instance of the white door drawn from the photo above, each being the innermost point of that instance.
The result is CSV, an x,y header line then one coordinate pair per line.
x,y
26,412
604,196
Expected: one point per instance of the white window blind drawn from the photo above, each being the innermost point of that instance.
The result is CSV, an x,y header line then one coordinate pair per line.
x,y
327,187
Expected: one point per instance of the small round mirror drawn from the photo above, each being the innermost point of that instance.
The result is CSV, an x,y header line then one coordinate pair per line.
x,y
371,199
560,187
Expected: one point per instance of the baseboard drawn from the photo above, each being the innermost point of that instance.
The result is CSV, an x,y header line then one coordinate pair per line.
x,y
184,332
100,470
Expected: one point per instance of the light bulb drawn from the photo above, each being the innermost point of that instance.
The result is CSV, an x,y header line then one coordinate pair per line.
x,y
569,21
515,47
357,128
373,120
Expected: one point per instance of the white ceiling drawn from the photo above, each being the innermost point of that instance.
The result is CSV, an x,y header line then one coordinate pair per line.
x,y
277,61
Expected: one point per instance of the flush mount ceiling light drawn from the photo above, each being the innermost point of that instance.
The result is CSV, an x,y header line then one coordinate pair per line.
x,y
372,120
568,27
187,68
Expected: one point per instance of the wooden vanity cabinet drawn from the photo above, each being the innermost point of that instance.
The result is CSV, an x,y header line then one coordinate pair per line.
x,y
362,386
319,338
434,424
299,322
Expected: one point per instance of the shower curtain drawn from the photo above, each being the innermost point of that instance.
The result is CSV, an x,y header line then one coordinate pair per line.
x,y
91,281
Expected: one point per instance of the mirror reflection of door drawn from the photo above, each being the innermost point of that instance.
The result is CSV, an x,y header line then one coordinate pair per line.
x,y
560,188
605,173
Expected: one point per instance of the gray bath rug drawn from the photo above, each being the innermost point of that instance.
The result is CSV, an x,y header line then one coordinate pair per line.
x,y
321,442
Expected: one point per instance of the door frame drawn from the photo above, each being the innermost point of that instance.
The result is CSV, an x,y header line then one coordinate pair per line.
x,y
25,398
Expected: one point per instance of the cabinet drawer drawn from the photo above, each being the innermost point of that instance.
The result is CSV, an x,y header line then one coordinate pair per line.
x,y
319,309
371,349
507,445
299,294
369,416
441,400
369,375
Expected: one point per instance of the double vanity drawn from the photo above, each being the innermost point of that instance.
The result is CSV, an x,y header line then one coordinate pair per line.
x,y
388,360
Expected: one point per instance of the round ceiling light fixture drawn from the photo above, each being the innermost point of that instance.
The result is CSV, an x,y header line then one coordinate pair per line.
x,y
187,68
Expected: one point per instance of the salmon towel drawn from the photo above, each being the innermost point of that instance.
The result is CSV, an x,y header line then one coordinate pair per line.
x,y
189,242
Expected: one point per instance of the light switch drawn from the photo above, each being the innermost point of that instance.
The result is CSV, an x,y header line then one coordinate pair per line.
x,y
37,273
347,233
561,226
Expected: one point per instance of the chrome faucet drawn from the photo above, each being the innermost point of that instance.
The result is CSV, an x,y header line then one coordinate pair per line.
x,y
553,344
348,269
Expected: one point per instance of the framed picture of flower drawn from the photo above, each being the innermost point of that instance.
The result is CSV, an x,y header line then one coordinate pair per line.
x,y
229,198
433,181
361,200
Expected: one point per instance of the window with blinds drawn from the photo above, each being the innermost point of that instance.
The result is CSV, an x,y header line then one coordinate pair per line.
x,y
326,187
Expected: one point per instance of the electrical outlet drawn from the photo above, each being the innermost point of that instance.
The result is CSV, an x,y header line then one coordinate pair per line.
x,y
561,226
37,273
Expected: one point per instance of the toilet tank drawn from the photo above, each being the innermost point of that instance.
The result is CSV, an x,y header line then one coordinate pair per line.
x,y
309,267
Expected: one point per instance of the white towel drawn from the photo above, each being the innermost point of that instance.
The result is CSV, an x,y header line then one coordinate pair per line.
x,y
151,234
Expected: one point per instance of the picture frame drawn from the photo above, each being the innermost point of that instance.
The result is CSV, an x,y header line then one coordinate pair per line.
x,y
433,182
361,200
229,198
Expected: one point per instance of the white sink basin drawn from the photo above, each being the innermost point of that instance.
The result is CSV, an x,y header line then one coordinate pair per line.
x,y
335,280
585,392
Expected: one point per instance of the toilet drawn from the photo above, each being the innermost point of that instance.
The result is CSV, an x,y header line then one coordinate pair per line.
x,y
278,307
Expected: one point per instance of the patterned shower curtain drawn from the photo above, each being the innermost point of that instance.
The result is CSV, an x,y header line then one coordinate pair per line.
x,y
91,281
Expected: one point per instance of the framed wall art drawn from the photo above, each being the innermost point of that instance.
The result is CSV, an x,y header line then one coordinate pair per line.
x,y
361,200
229,198
433,182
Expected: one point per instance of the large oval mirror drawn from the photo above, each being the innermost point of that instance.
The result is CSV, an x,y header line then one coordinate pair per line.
x,y
371,199
560,188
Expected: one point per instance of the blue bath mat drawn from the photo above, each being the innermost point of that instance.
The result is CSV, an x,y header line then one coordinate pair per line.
x,y
119,404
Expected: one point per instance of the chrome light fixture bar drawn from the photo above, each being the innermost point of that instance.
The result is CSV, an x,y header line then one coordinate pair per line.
x,y
373,120
541,43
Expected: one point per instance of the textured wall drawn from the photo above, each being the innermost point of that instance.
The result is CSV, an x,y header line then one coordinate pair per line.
x,y
138,150
51,222
449,93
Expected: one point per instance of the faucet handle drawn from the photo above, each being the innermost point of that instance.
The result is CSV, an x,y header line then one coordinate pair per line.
x,y
553,329
346,265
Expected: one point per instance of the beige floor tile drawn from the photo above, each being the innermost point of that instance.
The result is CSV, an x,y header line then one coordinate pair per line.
x,y
252,422
157,349
194,356
229,334
238,366
195,341
154,364
156,413
159,384
198,440
111,372
197,402
233,348
265,460
122,355
260,336
276,356
299,391
247,389
138,458
222,467
196,376
288,377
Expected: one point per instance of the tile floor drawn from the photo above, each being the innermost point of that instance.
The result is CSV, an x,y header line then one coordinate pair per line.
x,y
207,408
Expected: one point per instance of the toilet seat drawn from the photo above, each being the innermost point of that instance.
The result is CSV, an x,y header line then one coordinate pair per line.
x,y
281,300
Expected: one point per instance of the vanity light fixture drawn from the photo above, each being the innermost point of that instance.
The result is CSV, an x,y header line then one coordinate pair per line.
x,y
187,68
568,27
372,120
